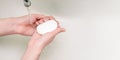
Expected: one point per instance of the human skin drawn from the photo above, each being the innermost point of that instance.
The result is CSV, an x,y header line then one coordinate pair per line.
x,y
21,25
38,43
24,26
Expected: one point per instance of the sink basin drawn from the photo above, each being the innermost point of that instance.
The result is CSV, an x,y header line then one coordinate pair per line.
x,y
92,29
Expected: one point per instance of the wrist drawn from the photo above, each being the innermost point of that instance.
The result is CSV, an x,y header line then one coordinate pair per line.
x,y
7,26
16,25
12,25
32,53
35,48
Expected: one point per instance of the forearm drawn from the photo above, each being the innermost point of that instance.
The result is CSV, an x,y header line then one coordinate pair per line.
x,y
7,26
32,53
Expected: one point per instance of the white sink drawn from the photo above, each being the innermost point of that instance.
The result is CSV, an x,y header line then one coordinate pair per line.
x,y
92,29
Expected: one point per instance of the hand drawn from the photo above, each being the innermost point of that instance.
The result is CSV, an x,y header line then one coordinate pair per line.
x,y
38,42
26,26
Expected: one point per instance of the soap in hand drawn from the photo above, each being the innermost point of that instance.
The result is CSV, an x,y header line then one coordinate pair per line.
x,y
47,26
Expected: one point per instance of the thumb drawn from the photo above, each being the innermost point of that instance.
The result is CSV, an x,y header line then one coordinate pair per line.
x,y
57,31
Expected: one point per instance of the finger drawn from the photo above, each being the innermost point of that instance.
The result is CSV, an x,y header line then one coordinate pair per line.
x,y
36,17
51,18
41,21
46,18
37,23
57,31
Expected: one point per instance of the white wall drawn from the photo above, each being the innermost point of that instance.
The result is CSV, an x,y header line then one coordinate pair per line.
x,y
92,26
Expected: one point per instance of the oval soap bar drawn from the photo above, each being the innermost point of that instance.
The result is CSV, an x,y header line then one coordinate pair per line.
x,y
47,26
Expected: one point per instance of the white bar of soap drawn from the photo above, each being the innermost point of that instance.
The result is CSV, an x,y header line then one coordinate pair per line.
x,y
47,26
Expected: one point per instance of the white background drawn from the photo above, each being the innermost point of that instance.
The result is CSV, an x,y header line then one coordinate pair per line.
x,y
92,29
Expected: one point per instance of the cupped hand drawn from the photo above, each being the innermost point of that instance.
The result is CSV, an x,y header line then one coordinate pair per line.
x,y
39,41
26,25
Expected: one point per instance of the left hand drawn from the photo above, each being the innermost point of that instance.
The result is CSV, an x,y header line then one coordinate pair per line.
x,y
26,26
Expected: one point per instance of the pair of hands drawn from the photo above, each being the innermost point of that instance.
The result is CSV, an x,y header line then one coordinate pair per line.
x,y
26,26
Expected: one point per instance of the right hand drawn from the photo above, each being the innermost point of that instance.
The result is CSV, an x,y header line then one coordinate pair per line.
x,y
40,41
